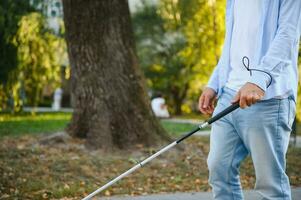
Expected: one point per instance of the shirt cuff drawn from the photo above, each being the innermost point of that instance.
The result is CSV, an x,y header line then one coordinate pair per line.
x,y
260,79
213,86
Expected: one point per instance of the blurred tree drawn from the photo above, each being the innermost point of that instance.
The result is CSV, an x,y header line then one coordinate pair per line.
x,y
179,44
299,88
30,54
10,13
159,53
40,54
111,108
205,35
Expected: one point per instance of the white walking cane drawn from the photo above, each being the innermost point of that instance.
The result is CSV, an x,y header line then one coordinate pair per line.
x,y
185,136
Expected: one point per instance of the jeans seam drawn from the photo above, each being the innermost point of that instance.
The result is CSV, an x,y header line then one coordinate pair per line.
x,y
229,170
289,112
278,146
234,122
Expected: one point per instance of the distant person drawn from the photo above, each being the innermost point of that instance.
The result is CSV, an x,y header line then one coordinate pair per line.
x,y
57,99
258,69
159,107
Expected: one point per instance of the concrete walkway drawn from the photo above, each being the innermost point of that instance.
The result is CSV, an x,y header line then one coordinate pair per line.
x,y
46,109
249,195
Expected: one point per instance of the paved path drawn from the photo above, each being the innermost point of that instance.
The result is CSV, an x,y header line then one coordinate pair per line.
x,y
249,195
46,109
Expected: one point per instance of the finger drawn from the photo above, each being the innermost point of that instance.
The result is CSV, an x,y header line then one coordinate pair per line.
x,y
206,102
255,98
236,98
258,97
243,102
203,111
213,102
211,111
208,110
249,99
201,102
212,106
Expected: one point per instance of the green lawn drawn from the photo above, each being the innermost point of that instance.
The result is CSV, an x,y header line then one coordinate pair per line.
x,y
27,123
177,128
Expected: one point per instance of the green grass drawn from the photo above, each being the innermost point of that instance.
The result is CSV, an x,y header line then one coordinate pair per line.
x,y
177,129
197,116
27,123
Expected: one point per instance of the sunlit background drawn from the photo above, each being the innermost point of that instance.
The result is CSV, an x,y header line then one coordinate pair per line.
x,y
178,45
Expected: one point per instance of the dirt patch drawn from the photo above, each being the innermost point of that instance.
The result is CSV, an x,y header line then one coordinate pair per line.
x,y
59,167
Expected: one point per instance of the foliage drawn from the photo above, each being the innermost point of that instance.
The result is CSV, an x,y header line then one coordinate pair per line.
x,y
299,89
11,12
39,60
205,36
180,47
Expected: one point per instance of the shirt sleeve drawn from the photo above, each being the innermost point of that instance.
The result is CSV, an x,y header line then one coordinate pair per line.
x,y
213,81
280,54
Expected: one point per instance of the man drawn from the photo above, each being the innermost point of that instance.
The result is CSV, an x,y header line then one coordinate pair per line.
x,y
159,107
258,66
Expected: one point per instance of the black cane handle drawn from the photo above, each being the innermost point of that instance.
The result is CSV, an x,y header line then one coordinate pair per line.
x,y
223,113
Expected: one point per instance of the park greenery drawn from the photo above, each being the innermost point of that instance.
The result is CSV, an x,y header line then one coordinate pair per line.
x,y
178,45
37,123
32,55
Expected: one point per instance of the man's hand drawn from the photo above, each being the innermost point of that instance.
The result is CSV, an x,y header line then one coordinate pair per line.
x,y
248,95
207,101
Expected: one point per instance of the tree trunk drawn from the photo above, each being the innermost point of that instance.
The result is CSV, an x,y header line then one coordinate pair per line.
x,y
111,106
178,96
178,107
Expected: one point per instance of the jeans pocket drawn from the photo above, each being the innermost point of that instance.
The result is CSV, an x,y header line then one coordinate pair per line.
x,y
291,112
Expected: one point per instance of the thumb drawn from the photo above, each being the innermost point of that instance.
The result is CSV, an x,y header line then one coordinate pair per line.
x,y
206,102
236,98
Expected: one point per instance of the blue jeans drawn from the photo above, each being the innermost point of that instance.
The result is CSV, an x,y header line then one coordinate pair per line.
x,y
263,131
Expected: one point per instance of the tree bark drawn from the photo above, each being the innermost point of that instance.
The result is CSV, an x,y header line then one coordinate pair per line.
x,y
178,97
111,106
